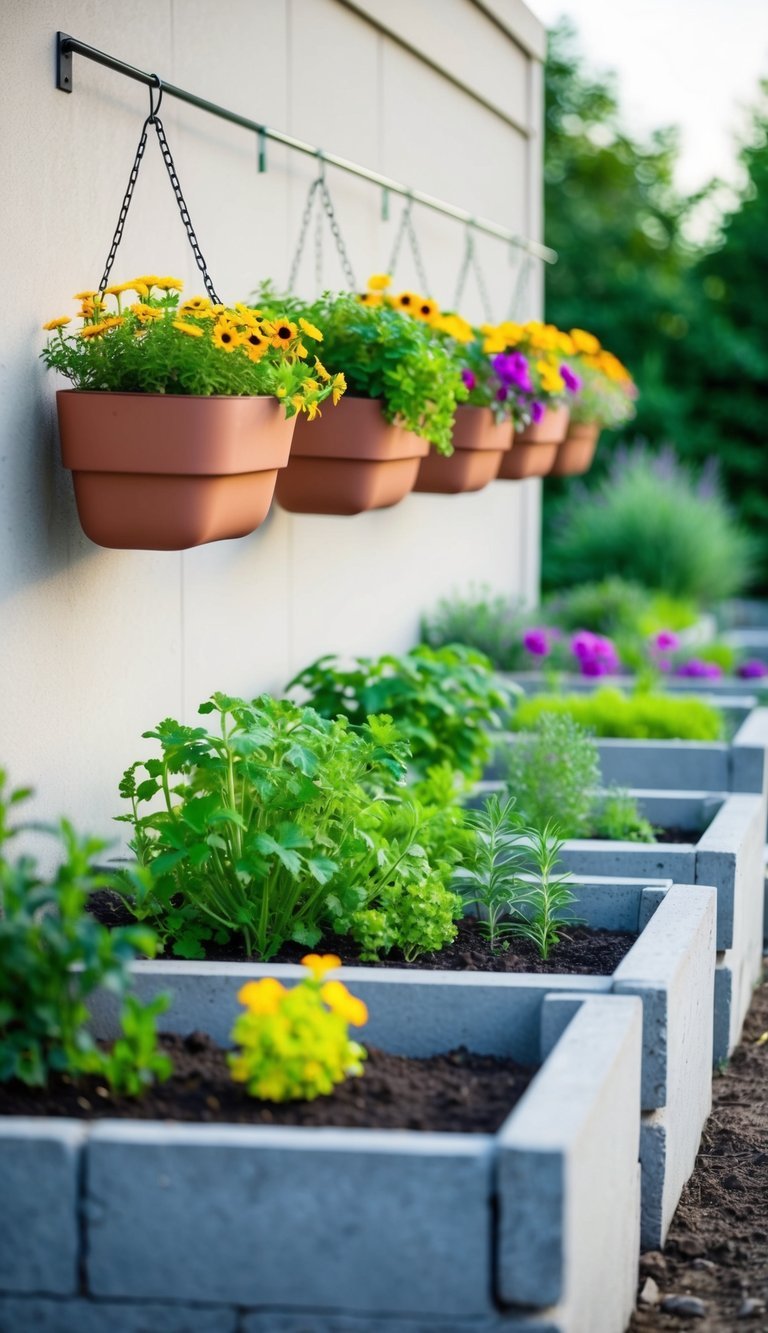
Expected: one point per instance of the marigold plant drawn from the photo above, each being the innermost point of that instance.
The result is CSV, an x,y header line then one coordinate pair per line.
x,y
293,1044
141,337
608,392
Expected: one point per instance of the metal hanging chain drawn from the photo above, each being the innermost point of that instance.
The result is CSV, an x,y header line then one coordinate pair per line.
x,y
152,119
471,264
318,188
406,230
520,289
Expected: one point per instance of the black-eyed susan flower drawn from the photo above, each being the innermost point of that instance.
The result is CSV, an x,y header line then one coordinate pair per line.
x,y
145,313
193,305
311,330
284,333
226,336
370,298
255,344
406,301
57,323
191,330
425,309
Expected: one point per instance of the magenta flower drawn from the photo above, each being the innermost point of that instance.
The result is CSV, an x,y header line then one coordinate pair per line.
x,y
572,382
469,378
699,669
753,669
666,641
537,412
594,666
583,644
536,642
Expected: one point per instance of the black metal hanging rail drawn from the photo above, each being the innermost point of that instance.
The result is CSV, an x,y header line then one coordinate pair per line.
x,y
67,47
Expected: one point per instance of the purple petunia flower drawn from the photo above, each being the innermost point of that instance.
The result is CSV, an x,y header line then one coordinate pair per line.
x,y
593,666
469,378
536,642
583,644
753,669
572,382
699,669
666,641
537,412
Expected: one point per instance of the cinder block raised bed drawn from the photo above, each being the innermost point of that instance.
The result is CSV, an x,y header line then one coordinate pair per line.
x,y
535,1227
670,968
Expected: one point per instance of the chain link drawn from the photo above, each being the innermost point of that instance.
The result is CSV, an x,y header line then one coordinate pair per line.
x,y
520,289
407,230
471,264
319,187
152,119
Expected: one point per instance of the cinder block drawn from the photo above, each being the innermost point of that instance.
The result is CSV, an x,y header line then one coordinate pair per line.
x,y
39,1185
35,1314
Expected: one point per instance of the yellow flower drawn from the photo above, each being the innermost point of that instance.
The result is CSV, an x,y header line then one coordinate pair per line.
x,y
145,313
511,333
378,282
118,288
284,333
456,327
87,309
551,379
255,346
585,342
194,305
565,344
95,330
226,336
168,284
406,301
321,371
280,391
348,1007
312,410
140,288
369,298
311,330
426,309
191,330
149,279
57,323
319,964
494,342
262,997
301,351
339,386
85,296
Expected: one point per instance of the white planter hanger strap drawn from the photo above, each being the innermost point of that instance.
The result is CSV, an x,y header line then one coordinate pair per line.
x,y
471,264
318,190
407,231
154,120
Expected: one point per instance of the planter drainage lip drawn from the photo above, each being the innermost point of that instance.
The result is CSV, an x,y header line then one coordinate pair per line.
x,y
208,1213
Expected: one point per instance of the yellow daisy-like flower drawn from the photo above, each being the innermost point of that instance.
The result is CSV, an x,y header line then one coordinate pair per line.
x,y
255,344
311,330
348,1007
565,344
379,282
95,330
280,391
87,309
262,997
551,379
145,313
339,387
511,332
194,304
320,963
140,288
284,333
426,309
407,301
321,371
168,284
57,323
312,410
456,327
85,296
118,288
370,298
149,279
585,342
226,336
191,330
494,342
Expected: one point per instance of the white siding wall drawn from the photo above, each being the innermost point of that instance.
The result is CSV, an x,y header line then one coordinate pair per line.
x,y
96,645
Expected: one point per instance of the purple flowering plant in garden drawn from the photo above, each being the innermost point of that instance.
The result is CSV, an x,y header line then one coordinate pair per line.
x,y
696,668
753,669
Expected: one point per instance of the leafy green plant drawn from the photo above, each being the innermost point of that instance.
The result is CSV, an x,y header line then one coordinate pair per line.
x,y
54,955
156,345
553,774
493,625
401,362
489,883
655,523
617,817
608,712
443,701
546,896
293,1044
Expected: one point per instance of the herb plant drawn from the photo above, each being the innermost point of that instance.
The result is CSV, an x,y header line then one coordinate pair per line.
x,y
542,904
53,956
489,882
489,623
155,344
553,774
609,712
293,1044
400,362
617,817
443,701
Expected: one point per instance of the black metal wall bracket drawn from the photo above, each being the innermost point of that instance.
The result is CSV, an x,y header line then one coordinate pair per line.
x,y
63,63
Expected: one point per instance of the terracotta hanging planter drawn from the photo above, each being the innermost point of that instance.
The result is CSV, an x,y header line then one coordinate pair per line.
x,y
575,454
164,472
479,444
534,449
349,460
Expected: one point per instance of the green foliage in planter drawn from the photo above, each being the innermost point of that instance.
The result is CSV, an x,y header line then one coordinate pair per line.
x,y
53,956
654,522
156,345
552,773
617,817
275,829
443,701
413,371
510,878
639,716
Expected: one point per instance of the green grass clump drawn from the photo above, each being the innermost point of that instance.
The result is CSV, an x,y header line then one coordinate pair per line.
x,y
609,712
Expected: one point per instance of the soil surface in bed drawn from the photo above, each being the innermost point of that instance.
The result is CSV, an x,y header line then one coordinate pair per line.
x,y
580,951
455,1092
716,1253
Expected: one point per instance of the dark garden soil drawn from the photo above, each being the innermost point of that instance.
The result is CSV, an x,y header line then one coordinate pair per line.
x,y
674,834
456,1092
717,1251
582,951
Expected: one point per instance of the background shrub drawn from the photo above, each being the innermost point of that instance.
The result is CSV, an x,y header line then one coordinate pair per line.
x,y
608,712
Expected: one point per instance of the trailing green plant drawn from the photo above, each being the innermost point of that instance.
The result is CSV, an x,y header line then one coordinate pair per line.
x,y
642,716
543,899
278,828
155,344
654,522
617,817
553,774
54,955
443,701
403,363
489,882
